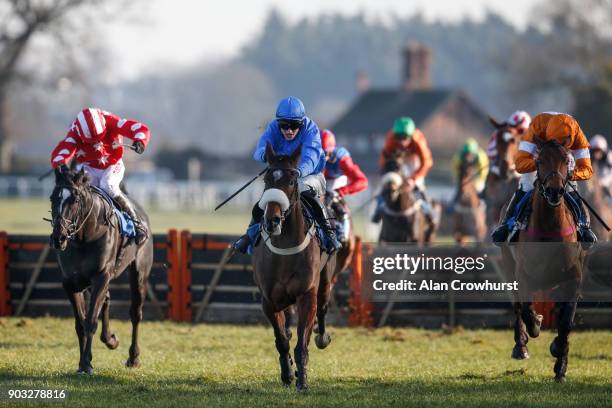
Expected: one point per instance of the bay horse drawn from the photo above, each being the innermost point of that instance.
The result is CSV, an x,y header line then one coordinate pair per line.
x,y
290,266
91,252
469,213
402,217
502,179
547,255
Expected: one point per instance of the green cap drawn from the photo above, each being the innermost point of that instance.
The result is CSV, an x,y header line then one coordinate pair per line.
x,y
470,147
403,127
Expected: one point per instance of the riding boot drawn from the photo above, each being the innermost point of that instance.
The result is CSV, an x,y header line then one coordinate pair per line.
x,y
500,235
425,205
142,232
586,236
242,244
324,221
377,216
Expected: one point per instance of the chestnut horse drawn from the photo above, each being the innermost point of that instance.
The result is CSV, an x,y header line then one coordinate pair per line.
x,y
469,213
290,266
547,255
593,193
91,252
502,179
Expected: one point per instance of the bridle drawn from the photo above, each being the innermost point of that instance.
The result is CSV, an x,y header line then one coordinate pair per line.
x,y
293,200
68,226
542,183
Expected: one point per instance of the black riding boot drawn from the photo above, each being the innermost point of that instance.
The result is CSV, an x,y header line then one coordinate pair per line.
x,y
142,233
242,244
586,236
500,235
320,213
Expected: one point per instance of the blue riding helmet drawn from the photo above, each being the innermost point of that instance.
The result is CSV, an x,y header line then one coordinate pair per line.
x,y
290,108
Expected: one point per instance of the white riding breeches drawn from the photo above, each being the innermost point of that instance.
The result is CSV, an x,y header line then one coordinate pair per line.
x,y
314,182
107,179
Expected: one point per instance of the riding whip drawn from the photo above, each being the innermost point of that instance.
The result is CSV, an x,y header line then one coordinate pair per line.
x,y
240,189
591,209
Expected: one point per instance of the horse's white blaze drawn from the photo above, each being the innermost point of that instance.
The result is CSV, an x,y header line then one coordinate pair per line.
x,y
65,196
507,136
393,178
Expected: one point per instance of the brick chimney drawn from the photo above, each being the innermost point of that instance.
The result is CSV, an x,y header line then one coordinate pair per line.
x,y
417,67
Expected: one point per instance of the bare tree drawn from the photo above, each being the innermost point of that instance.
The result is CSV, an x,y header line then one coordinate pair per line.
x,y
21,21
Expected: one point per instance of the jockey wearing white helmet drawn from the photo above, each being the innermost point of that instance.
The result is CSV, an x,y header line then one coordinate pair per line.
x,y
602,162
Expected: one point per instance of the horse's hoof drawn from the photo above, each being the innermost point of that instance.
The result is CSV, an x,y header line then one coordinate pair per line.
x,y
520,352
287,380
322,341
533,324
85,371
132,363
301,386
560,379
112,342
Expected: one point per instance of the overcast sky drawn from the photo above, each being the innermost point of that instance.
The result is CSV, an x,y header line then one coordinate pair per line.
x,y
183,32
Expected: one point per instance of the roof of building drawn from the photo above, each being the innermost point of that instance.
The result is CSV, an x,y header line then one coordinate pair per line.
x,y
375,110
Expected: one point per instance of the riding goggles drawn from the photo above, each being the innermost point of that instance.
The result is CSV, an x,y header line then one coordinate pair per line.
x,y
290,124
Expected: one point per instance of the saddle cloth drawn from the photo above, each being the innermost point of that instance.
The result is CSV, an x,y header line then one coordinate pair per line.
x,y
125,222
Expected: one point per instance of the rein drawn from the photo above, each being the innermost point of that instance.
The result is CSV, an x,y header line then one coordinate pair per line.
x,y
284,215
71,234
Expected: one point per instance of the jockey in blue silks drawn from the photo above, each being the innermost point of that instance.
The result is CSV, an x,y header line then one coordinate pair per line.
x,y
290,129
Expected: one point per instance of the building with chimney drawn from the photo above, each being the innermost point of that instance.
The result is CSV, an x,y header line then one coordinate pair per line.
x,y
446,116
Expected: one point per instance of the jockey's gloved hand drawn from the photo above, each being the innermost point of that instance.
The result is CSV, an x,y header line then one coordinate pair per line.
x,y
138,147
63,168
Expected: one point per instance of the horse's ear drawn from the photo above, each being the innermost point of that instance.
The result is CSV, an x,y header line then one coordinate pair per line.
x,y
269,153
495,123
297,153
538,141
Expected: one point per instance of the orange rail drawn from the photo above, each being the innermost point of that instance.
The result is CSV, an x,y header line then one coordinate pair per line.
x,y
174,283
361,309
185,276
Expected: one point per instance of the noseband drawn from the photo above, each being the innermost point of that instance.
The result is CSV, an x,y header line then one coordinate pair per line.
x,y
292,200
542,188
73,227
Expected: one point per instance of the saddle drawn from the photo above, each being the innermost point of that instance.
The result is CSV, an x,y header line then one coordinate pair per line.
x,y
124,221
520,216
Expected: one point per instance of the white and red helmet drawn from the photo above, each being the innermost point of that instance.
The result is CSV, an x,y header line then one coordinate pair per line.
x,y
520,120
598,142
90,125
328,140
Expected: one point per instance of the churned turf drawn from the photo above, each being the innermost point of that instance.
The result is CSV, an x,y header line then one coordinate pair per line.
x,y
222,365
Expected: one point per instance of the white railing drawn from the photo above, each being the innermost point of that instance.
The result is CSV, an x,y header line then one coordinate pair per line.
x,y
180,195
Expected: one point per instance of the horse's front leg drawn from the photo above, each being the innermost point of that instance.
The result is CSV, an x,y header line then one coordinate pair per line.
x,y
520,351
138,289
322,339
99,287
282,335
559,348
108,338
306,305
77,301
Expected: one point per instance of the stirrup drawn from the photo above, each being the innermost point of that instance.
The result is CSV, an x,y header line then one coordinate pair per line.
x,y
242,244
